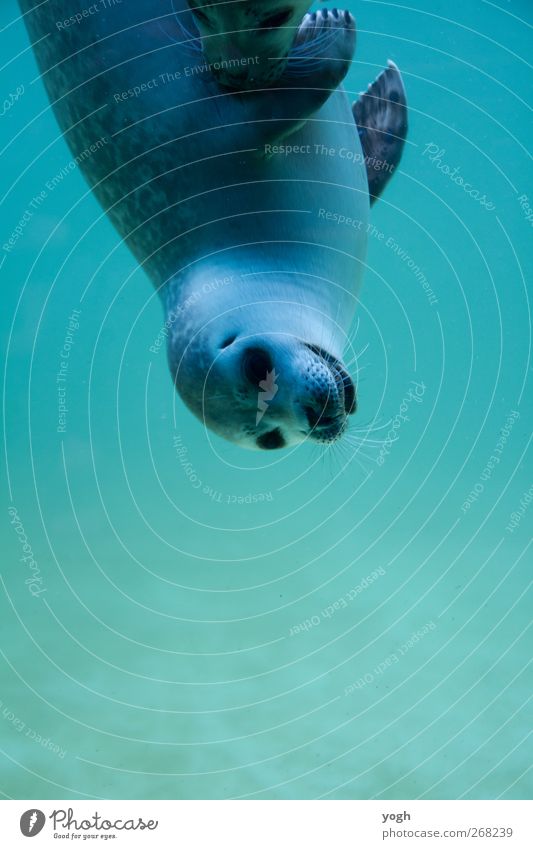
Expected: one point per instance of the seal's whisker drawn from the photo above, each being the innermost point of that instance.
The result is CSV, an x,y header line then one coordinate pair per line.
x,y
357,449
332,457
358,440
358,354
358,454
368,459
341,448
354,456
370,426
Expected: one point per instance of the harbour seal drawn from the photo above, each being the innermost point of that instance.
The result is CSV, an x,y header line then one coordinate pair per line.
x,y
248,210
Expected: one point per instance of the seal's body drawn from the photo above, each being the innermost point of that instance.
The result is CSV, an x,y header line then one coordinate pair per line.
x,y
247,210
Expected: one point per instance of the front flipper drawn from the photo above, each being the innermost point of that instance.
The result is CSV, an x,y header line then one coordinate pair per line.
x,y
381,118
318,62
322,50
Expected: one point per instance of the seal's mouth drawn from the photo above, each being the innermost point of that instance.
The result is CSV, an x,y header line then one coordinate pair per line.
x,y
343,381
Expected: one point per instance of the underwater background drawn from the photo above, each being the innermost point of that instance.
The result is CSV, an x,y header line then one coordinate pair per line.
x,y
183,619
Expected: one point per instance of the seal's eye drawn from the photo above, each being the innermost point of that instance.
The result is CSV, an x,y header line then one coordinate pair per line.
x,y
256,364
276,20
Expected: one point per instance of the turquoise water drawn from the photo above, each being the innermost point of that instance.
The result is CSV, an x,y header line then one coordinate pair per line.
x,y
195,621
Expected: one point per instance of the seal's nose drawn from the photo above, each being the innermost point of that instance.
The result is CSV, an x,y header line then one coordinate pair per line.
x,y
256,365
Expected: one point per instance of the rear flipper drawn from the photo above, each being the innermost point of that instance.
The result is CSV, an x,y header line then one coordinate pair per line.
x,y
381,118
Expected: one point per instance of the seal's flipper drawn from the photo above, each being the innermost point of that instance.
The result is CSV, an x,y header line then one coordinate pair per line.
x,y
322,50
381,118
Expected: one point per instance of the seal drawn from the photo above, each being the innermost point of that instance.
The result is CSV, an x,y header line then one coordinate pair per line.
x,y
248,210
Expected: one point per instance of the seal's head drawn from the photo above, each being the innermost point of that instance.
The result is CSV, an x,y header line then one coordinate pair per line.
x,y
247,42
264,391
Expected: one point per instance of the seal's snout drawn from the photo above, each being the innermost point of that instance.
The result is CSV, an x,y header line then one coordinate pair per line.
x,y
299,390
344,386
327,396
268,390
